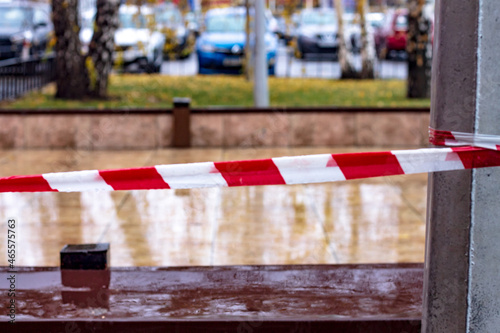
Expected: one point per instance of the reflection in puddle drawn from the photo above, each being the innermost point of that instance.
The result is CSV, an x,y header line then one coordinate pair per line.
x,y
178,228
375,220
35,214
379,205
100,223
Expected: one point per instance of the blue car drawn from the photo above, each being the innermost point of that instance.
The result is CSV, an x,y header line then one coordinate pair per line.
x,y
220,48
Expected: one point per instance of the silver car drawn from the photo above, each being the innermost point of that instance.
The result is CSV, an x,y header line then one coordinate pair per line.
x,y
317,32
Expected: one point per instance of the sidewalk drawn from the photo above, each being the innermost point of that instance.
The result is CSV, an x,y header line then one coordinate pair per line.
x,y
365,221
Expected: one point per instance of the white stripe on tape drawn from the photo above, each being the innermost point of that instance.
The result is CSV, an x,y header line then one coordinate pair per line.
x,y
76,181
308,169
428,160
195,175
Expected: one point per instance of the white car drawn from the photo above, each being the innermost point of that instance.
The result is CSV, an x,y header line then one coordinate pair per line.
x,y
138,44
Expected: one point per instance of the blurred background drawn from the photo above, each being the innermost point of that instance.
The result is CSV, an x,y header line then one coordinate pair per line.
x,y
342,39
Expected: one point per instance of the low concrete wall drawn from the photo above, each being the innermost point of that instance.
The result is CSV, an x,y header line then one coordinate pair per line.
x,y
311,129
93,130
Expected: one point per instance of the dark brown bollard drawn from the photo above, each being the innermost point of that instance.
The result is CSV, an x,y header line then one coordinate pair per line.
x,y
86,267
182,123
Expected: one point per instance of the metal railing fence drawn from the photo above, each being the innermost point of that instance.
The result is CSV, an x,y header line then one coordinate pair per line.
x,y
19,76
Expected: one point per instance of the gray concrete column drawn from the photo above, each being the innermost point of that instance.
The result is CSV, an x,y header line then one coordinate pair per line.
x,y
483,314
462,262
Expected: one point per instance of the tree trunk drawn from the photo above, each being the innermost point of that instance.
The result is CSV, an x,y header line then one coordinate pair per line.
x,y
72,78
345,60
367,44
102,46
419,51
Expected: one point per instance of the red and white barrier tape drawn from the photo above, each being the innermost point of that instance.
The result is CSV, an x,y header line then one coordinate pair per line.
x,y
275,171
450,138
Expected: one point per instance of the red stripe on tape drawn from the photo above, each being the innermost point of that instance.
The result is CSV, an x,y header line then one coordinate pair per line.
x,y
477,157
256,172
140,179
25,184
371,164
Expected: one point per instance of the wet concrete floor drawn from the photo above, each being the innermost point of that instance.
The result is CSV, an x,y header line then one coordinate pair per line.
x,y
380,220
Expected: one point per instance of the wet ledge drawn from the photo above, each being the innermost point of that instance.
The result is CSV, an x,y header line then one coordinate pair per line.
x,y
319,298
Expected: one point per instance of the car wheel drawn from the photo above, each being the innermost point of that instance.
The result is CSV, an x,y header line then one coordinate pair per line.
x,y
155,65
271,71
157,69
152,68
184,55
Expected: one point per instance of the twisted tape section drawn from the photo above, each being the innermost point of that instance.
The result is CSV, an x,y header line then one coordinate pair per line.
x,y
451,138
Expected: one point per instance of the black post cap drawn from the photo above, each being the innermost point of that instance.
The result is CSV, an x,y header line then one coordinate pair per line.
x,y
182,102
85,256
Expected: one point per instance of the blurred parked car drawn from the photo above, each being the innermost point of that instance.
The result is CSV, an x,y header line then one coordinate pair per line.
x,y
317,32
392,34
138,45
25,29
179,40
220,48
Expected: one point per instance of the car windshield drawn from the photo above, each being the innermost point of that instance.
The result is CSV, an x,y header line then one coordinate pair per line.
x,y
375,20
226,23
169,17
401,22
133,21
14,18
318,17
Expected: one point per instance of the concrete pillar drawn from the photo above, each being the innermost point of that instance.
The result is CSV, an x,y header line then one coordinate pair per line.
x,y
484,268
462,263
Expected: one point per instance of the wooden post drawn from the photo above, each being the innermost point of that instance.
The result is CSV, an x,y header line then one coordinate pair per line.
x,y
182,123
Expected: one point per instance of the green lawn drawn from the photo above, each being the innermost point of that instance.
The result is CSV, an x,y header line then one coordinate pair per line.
x,y
156,91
